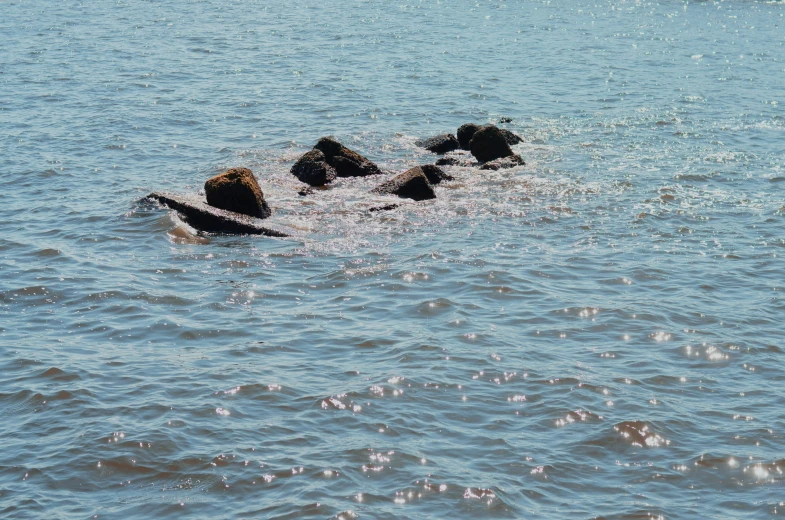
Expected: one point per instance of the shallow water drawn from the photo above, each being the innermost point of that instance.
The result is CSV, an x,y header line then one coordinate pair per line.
x,y
596,334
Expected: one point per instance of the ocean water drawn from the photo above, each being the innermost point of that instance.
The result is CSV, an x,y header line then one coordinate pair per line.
x,y
597,334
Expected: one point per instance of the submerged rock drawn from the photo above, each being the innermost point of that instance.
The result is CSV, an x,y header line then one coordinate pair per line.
x,y
312,168
488,143
347,163
510,161
386,207
440,144
434,174
236,190
196,212
465,134
411,184
456,160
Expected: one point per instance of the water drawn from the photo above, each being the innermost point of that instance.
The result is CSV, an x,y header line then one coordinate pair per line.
x,y
596,334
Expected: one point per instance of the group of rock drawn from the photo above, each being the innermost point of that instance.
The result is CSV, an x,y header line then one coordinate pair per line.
x,y
234,195
489,145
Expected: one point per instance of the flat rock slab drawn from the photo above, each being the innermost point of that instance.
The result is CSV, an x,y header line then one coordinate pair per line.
x,y
203,217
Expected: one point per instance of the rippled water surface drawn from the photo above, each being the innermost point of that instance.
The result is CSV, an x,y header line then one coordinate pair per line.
x,y
595,334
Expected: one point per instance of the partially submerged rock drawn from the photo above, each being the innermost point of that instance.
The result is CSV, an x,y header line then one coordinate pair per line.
x,y
196,212
454,160
411,184
312,168
511,138
434,174
387,207
467,131
347,163
488,143
510,161
465,134
440,144
236,190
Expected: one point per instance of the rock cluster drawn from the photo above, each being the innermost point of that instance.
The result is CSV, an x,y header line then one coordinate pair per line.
x,y
487,143
235,201
330,159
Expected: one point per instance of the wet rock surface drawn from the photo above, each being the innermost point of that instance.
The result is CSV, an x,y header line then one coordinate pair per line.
x,y
196,212
411,184
439,144
465,134
467,131
313,169
488,144
434,174
511,138
237,190
346,162
510,161
456,160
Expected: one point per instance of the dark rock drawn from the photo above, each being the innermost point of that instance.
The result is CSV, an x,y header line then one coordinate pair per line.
x,y
312,168
434,174
440,144
305,191
411,184
505,120
456,161
512,139
510,161
388,207
488,143
203,217
237,190
467,131
347,163
465,134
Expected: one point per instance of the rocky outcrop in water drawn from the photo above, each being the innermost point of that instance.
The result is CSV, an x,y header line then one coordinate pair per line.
x,y
488,143
237,190
434,174
204,217
467,131
511,138
440,144
511,161
346,162
411,184
457,160
465,134
313,169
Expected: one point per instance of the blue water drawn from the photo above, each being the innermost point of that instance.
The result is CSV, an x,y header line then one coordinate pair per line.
x,y
595,334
